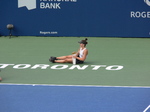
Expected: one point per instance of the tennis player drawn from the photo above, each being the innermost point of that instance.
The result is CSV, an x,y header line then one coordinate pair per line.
x,y
80,56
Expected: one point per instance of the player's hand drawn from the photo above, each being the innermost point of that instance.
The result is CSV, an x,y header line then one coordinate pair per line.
x,y
74,56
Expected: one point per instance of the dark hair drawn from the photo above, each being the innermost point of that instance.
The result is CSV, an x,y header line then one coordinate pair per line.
x,y
84,41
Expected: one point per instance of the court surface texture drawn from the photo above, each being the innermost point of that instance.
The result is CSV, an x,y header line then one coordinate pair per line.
x,y
114,78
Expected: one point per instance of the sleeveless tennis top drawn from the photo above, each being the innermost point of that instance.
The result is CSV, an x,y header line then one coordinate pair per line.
x,y
81,52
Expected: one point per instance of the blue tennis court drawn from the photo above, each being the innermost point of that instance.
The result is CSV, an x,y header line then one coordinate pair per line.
x,y
55,98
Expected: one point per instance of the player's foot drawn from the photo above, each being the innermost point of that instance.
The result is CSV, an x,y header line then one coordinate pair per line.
x,y
52,59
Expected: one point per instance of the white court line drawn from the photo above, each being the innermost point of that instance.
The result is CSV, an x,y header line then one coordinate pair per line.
x,y
74,85
146,108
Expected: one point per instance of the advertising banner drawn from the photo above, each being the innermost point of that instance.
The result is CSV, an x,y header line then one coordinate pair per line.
x,y
76,18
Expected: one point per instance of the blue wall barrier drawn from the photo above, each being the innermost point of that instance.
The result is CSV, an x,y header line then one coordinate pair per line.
x,y
94,18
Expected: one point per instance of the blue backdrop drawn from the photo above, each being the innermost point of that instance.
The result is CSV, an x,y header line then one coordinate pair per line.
x,y
94,18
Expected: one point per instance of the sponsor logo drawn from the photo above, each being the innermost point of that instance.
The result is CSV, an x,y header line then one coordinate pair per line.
x,y
141,14
147,2
30,4
43,4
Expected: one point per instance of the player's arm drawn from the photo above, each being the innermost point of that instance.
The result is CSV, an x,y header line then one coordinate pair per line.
x,y
77,54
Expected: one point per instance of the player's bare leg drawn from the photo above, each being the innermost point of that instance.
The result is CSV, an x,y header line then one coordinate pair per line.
x,y
68,60
64,57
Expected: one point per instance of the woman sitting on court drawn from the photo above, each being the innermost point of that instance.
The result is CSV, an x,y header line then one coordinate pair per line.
x,y
80,56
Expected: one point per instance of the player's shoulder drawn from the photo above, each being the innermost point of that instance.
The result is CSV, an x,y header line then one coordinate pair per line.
x,y
86,50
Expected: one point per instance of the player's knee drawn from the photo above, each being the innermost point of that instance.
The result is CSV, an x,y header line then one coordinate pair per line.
x,y
67,56
67,60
